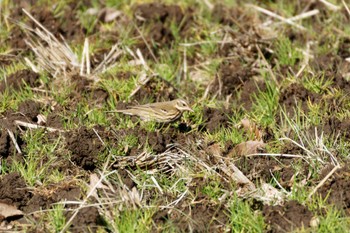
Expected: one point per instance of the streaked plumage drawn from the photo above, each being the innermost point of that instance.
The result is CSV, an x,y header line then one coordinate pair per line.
x,y
168,111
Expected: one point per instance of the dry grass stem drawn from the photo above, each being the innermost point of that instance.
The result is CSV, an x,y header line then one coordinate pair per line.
x,y
275,155
330,6
57,58
274,15
323,181
91,192
273,76
34,126
303,15
12,136
346,7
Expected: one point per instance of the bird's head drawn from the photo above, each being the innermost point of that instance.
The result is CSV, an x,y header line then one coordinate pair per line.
x,y
182,105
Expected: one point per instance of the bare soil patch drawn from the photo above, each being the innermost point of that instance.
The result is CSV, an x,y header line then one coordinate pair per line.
x,y
67,25
85,147
265,169
214,119
291,216
19,79
201,217
295,95
157,90
336,189
157,19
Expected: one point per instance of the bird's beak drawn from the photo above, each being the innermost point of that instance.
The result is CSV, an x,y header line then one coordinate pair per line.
x,y
190,109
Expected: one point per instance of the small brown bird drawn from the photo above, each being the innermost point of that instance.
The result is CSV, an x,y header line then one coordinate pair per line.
x,y
164,112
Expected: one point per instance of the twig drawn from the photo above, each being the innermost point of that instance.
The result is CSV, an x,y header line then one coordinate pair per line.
x,y
206,42
278,184
267,64
14,141
298,17
306,59
174,203
302,147
275,155
156,184
274,15
35,126
146,43
208,4
346,7
330,6
323,181
185,63
76,211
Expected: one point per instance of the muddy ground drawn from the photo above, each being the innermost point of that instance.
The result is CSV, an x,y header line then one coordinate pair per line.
x,y
81,150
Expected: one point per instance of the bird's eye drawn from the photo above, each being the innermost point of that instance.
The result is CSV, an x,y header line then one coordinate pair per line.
x,y
182,104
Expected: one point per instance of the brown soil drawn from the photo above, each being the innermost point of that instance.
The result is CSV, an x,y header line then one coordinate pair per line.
x,y
126,179
67,25
295,95
30,109
334,68
5,143
156,90
19,79
85,147
199,217
85,89
27,112
157,19
53,194
54,120
237,16
233,75
259,168
341,83
333,126
291,216
6,60
214,119
86,220
157,141
337,188
13,190
250,88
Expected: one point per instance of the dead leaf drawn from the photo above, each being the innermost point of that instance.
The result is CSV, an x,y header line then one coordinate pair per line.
x,y
7,211
95,184
251,128
215,150
106,14
269,195
247,148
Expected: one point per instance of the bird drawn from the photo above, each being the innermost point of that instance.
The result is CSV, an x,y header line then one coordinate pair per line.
x,y
163,112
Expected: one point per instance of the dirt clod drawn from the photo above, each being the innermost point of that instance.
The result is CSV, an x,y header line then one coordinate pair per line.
x,y
297,94
86,220
30,109
214,119
232,77
19,79
14,191
337,189
156,90
85,147
291,216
